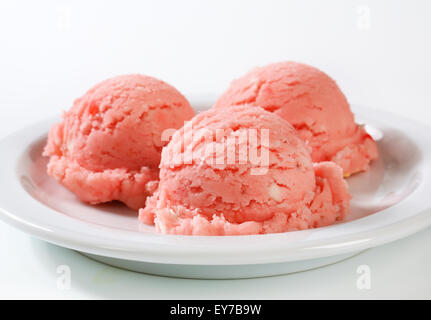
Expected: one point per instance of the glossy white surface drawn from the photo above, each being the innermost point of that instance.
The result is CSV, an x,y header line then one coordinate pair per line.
x,y
389,202
29,270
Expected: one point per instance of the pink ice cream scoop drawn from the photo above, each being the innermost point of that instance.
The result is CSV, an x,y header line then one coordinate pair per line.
x,y
108,145
313,103
243,171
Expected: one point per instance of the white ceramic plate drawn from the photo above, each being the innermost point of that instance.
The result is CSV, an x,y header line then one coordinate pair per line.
x,y
389,202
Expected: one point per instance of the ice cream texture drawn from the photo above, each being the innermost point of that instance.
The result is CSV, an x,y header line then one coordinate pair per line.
x,y
208,186
314,104
108,145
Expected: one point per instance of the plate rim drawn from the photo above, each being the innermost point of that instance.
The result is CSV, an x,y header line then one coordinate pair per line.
x,y
205,250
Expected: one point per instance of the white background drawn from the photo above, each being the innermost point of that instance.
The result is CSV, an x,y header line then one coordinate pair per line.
x,y
53,51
